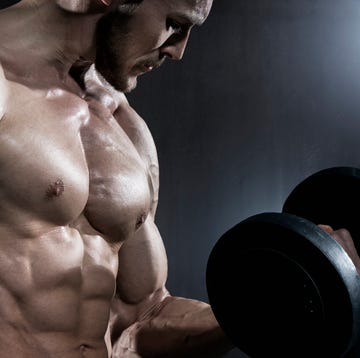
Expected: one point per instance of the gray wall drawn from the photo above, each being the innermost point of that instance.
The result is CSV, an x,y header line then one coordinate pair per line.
x,y
267,94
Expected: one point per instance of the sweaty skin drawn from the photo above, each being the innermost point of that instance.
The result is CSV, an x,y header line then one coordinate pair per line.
x,y
82,265
79,186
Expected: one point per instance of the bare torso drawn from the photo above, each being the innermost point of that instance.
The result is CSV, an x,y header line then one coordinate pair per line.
x,y
74,188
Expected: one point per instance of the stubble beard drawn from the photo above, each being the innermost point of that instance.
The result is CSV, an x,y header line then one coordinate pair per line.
x,y
127,87
112,44
121,80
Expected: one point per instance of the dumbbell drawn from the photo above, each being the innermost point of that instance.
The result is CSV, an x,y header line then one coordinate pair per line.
x,y
280,286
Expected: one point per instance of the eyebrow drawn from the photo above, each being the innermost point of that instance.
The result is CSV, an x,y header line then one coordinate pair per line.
x,y
190,19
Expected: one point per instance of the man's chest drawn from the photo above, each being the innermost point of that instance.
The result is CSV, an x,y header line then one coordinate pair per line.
x,y
119,183
43,171
58,160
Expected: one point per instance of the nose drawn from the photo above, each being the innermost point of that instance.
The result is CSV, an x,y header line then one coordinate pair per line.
x,y
174,49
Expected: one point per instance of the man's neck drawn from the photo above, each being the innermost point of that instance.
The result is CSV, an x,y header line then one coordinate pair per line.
x,y
39,44
96,87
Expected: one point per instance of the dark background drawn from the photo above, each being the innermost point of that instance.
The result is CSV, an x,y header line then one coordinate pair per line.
x,y
267,94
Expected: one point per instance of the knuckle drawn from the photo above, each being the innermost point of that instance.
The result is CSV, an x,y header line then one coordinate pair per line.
x,y
344,233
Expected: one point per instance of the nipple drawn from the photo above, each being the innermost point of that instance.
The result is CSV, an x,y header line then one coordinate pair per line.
x,y
55,189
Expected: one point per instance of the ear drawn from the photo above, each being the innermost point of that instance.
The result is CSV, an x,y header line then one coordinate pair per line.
x,y
84,6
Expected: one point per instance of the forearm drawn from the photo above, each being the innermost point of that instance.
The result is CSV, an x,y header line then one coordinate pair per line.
x,y
177,328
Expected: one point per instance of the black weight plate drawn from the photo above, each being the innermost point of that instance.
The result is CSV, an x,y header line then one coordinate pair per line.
x,y
331,197
279,288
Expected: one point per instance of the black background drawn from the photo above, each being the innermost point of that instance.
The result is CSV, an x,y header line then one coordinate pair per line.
x,y
268,93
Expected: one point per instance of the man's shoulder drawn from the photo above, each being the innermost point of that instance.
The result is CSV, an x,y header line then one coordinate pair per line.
x,y
130,119
3,92
139,133
137,130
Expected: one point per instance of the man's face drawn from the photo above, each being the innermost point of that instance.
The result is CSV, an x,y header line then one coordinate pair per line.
x,y
129,45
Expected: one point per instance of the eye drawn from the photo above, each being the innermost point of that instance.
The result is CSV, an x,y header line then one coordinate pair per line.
x,y
174,25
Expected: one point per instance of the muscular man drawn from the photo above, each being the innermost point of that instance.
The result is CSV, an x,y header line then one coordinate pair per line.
x,y
80,254
131,41
82,265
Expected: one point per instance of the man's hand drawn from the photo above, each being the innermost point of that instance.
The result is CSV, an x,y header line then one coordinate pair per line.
x,y
343,237
177,328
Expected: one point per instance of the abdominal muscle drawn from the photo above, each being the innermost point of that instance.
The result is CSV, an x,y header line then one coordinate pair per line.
x,y
55,294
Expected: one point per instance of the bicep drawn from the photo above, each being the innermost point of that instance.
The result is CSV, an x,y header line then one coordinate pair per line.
x,y
142,265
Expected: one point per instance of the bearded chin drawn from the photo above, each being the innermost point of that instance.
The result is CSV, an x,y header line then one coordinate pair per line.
x,y
132,85
124,84
116,76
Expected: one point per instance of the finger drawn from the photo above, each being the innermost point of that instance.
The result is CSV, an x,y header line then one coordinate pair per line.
x,y
326,228
343,237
